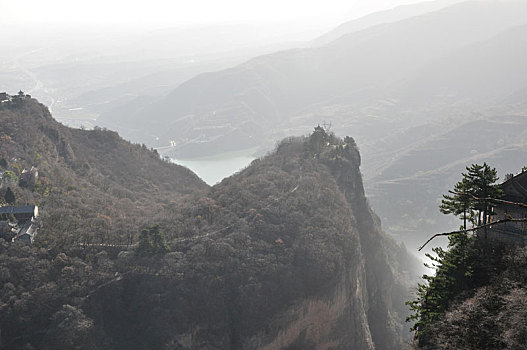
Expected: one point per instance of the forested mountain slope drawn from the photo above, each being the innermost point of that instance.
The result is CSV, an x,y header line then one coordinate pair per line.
x,y
285,254
92,186
477,299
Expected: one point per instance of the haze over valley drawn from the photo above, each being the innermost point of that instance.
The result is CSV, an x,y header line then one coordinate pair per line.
x,y
396,80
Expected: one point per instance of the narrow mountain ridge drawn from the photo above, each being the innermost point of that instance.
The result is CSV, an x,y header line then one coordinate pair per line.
x,y
285,254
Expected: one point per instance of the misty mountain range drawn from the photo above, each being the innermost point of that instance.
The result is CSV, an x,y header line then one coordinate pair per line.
x,y
397,86
408,83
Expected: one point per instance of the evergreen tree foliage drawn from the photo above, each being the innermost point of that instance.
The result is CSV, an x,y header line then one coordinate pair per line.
x,y
318,140
454,272
9,196
459,203
469,265
481,180
152,241
470,198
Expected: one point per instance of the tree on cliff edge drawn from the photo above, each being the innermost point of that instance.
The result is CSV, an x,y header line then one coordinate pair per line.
x,y
482,185
459,203
470,197
457,269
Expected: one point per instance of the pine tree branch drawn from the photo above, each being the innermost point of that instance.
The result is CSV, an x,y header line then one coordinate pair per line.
x,y
472,229
490,199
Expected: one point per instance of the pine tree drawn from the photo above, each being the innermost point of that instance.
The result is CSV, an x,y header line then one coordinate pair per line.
x,y
318,140
152,241
159,244
460,203
9,196
145,244
481,181
471,195
455,267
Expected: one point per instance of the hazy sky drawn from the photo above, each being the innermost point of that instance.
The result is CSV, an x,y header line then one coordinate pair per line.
x,y
186,11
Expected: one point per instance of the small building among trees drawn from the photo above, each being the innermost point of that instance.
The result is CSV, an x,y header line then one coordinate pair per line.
x,y
4,97
514,195
20,223
28,178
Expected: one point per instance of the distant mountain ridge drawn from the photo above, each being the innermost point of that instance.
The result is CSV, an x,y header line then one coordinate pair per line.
x,y
482,75
250,104
387,16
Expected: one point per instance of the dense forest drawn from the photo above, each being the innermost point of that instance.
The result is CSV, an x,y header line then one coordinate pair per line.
x,y
284,254
92,186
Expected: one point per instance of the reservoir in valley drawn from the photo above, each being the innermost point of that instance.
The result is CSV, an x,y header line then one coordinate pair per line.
x,y
213,169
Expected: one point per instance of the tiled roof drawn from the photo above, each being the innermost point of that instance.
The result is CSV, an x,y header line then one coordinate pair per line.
x,y
516,187
27,209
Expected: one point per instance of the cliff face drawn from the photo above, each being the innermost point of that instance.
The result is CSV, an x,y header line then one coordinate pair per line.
x,y
283,255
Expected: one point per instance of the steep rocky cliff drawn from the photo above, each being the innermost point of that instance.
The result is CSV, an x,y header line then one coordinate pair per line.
x,y
283,255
